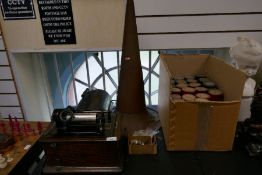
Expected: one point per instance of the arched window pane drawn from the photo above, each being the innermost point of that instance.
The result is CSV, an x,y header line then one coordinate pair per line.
x,y
110,59
156,69
80,88
110,88
94,69
154,99
71,100
154,83
99,84
154,56
81,73
144,57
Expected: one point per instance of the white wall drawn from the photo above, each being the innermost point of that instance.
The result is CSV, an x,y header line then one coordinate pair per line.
x,y
31,86
156,7
197,23
169,24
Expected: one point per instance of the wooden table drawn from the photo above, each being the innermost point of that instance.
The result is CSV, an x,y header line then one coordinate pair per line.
x,y
235,162
25,151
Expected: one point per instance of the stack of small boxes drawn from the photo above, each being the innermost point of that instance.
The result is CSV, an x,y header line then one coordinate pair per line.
x,y
142,145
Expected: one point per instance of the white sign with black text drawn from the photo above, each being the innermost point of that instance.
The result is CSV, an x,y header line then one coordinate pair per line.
x,y
57,21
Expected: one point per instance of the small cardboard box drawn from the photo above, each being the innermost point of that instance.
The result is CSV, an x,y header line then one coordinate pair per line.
x,y
200,126
149,145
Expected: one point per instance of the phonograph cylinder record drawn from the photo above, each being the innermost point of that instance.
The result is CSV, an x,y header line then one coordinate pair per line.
x,y
180,81
203,95
181,85
216,95
202,80
194,85
176,91
191,80
188,90
201,90
188,97
209,84
176,96
83,117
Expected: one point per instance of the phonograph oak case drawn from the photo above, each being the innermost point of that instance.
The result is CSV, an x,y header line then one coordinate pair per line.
x,y
85,138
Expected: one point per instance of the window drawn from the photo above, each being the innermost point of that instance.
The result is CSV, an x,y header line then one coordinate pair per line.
x,y
71,73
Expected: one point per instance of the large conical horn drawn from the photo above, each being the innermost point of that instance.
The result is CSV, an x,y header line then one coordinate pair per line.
x,y
131,98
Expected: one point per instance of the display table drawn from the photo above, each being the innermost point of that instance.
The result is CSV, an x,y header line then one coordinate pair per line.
x,y
235,162
26,149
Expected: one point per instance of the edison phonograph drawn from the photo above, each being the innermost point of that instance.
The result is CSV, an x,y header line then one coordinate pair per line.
x,y
85,138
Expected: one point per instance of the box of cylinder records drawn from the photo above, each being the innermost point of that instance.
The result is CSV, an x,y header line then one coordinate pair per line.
x,y
190,123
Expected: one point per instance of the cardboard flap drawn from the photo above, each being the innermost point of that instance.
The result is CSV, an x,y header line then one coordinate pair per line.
x,y
185,64
185,127
230,80
222,125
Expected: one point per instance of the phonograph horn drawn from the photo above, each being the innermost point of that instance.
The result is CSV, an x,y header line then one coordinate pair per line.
x,y
131,98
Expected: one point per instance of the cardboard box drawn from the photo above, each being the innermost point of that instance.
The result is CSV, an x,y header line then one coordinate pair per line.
x,y
149,146
200,126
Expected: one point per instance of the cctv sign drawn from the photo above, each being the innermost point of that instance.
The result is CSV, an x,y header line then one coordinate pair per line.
x,y
17,9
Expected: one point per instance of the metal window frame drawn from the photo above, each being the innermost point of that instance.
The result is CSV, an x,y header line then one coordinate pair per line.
x,y
105,73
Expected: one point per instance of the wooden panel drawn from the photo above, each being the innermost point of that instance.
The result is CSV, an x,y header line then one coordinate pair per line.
x,y
7,87
5,73
156,7
199,23
2,46
9,100
201,40
13,111
3,58
64,153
